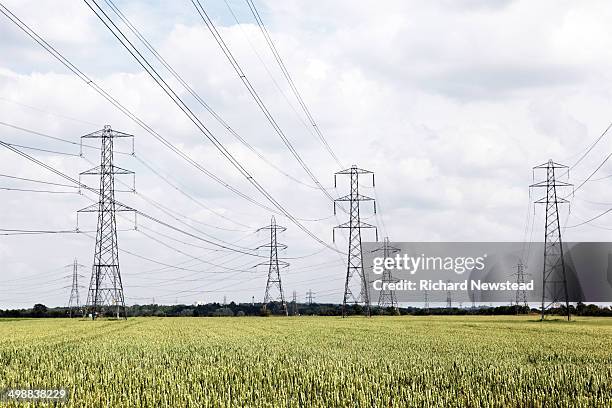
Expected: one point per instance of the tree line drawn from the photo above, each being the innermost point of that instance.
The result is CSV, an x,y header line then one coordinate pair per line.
x,y
314,309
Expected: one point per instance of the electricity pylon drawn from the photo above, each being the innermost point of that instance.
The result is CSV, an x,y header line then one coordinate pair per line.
x,y
521,294
426,302
294,304
274,266
309,297
449,299
74,301
387,296
354,270
554,280
105,294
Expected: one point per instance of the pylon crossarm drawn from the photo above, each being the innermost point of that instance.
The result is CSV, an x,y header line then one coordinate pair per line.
x,y
355,170
106,132
544,200
280,247
358,197
551,165
557,183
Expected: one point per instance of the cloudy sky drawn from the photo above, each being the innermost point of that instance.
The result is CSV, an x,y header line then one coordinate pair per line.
x,y
450,103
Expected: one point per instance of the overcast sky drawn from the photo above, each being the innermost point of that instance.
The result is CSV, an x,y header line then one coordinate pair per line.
x,y
450,103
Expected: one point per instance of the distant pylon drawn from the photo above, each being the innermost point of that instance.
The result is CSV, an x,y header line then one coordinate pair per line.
x,y
449,299
521,294
426,302
387,296
105,288
309,296
74,303
294,304
274,267
355,274
554,280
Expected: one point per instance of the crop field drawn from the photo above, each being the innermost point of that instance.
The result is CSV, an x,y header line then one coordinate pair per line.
x,y
312,361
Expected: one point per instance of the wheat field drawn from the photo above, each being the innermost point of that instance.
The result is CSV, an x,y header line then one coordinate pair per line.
x,y
312,361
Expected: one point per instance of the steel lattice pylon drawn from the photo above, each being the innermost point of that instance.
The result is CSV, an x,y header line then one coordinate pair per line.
x,y
387,296
554,280
74,302
105,294
274,267
294,304
354,272
521,294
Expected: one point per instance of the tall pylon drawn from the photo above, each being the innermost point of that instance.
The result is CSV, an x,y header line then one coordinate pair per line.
x,y
449,298
554,280
521,294
354,271
387,296
309,297
294,312
105,294
74,302
274,267
426,302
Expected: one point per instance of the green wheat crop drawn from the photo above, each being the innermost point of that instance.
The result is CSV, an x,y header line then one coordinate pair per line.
x,y
312,361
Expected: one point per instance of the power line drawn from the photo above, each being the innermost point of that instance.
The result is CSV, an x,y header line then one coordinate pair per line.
x,y
90,82
140,213
234,63
196,121
196,96
37,181
59,139
170,213
289,79
26,190
198,202
271,75
5,231
46,111
97,148
590,219
592,174
43,150
589,149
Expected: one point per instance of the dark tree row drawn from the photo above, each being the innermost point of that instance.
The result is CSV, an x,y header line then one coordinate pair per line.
x,y
316,309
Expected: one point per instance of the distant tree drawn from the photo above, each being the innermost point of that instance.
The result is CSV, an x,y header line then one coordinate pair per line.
x,y
39,310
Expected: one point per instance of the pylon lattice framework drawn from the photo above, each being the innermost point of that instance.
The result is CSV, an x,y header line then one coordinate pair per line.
x,y
294,312
521,294
105,294
387,296
274,265
354,270
309,296
74,302
554,280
